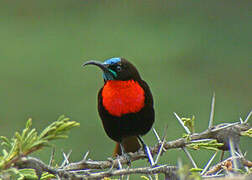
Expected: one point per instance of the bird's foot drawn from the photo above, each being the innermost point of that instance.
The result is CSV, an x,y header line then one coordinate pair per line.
x,y
127,157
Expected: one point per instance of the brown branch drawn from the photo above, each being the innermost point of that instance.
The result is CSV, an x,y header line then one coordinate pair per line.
x,y
31,162
169,171
227,164
213,133
87,167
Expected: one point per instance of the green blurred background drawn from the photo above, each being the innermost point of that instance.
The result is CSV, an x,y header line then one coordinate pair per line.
x,y
185,50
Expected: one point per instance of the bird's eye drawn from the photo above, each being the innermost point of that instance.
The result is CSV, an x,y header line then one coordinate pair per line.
x,y
118,68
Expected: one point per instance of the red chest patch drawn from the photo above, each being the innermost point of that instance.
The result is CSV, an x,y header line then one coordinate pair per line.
x,y
122,97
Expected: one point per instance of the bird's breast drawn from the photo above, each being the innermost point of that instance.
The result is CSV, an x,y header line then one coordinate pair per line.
x,y
122,97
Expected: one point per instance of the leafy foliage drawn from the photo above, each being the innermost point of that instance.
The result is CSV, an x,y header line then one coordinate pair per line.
x,y
247,133
189,123
29,141
210,145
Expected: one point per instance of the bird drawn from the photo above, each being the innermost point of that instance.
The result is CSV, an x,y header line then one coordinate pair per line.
x,y
125,105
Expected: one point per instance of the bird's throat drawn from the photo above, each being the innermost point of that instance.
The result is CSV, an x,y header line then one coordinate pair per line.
x,y
122,97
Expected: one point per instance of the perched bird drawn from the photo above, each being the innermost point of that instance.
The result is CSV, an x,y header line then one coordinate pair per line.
x,y
125,105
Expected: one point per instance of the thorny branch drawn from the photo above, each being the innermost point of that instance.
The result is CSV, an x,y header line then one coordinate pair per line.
x,y
179,143
228,134
89,167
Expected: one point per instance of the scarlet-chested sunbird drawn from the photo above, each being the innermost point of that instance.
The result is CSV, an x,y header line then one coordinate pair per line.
x,y
125,105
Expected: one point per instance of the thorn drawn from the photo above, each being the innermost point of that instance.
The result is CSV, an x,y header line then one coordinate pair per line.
x,y
181,122
164,137
210,125
156,134
232,152
85,156
149,156
111,168
190,157
224,127
147,151
180,164
239,155
65,159
241,121
242,156
85,171
245,154
200,140
150,177
160,151
208,164
128,177
119,164
165,131
52,157
240,152
247,118
218,173
247,169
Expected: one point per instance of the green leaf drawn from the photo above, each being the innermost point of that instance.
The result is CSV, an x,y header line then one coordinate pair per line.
x,y
5,140
189,123
28,123
247,133
196,170
28,174
210,145
47,176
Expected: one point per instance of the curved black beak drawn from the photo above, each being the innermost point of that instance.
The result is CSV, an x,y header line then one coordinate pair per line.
x,y
108,74
96,63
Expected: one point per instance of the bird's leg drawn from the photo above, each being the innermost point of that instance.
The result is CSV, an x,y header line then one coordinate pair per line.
x,y
124,154
147,151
